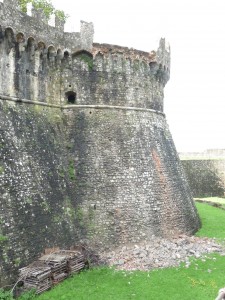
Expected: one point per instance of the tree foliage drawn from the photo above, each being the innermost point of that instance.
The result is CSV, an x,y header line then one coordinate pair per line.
x,y
46,6
23,4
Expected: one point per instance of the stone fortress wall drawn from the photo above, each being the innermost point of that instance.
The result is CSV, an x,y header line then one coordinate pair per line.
x,y
33,52
85,149
205,172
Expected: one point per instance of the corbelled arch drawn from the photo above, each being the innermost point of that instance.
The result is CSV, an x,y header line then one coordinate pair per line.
x,y
59,54
66,53
20,37
41,46
51,52
9,37
84,52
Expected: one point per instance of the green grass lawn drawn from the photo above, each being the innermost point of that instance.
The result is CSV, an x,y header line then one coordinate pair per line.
x,y
213,221
201,280
218,200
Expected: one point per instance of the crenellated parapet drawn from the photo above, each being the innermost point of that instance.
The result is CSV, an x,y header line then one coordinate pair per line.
x,y
157,62
36,26
46,64
163,54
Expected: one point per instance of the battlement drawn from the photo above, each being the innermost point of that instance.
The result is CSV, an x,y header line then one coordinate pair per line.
x,y
43,63
158,61
36,27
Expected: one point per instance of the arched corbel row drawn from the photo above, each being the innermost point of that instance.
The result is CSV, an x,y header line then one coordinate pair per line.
x,y
30,44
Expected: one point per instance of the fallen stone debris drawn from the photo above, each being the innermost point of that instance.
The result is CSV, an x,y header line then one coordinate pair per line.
x,y
161,253
52,268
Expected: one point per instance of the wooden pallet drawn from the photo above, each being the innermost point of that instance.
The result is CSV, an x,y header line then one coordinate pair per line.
x,y
36,276
50,269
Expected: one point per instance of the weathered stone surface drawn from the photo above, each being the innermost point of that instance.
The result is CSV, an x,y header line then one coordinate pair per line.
x,y
205,172
85,149
128,171
206,177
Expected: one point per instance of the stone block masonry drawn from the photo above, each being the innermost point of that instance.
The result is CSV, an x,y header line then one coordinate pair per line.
x,y
129,175
85,149
205,172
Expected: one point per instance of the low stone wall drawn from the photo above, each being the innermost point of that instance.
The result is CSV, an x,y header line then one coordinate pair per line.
x,y
206,177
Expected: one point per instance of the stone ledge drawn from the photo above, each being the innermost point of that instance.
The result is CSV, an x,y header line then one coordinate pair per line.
x,y
18,100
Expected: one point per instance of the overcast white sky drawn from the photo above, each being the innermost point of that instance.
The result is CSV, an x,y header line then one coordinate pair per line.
x,y
195,95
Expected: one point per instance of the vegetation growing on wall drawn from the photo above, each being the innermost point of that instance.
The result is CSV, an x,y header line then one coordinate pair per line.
x,y
61,14
3,238
47,7
71,170
88,60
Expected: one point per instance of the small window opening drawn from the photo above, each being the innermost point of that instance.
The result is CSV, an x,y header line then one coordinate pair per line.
x,y
71,97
